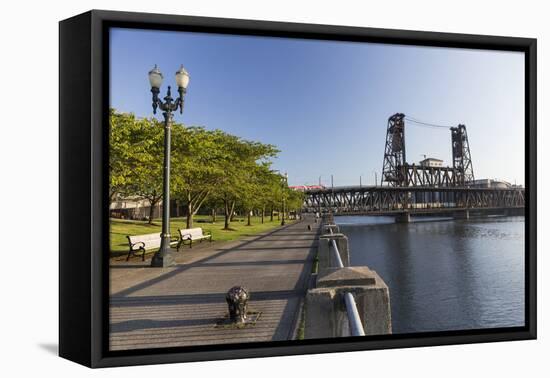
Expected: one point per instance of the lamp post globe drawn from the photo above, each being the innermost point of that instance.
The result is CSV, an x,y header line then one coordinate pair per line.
x,y
163,257
155,77
182,78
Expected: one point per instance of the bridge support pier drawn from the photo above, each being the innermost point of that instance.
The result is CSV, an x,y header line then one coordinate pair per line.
x,y
404,217
462,214
325,257
514,211
326,310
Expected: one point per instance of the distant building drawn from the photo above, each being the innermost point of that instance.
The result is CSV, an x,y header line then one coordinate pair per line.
x,y
431,162
490,183
302,188
133,208
136,208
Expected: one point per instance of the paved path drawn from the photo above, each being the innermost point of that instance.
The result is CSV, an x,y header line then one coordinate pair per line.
x,y
180,306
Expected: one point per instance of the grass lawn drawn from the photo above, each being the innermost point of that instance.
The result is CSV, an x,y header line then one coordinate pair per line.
x,y
120,228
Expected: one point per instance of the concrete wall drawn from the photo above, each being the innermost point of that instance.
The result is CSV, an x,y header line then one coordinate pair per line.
x,y
324,255
326,314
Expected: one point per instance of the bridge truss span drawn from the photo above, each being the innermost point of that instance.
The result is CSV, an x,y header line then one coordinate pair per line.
x,y
419,175
385,200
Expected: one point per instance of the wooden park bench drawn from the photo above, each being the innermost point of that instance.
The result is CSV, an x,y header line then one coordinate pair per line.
x,y
191,234
144,242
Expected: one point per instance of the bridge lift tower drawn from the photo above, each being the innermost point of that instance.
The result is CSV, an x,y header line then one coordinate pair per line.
x,y
462,161
397,172
394,153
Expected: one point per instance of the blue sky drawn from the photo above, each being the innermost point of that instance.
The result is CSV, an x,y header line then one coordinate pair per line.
x,y
325,104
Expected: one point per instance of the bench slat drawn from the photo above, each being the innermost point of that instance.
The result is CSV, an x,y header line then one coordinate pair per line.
x,y
143,238
193,234
147,241
144,242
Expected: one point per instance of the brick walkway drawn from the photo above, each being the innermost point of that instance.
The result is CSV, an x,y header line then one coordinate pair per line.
x,y
180,306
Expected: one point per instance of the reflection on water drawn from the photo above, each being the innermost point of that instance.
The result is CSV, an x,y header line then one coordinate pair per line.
x,y
445,274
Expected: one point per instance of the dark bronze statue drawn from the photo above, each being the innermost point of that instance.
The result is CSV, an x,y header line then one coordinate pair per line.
x,y
237,300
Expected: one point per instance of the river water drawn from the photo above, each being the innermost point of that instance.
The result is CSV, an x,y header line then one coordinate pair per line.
x,y
445,274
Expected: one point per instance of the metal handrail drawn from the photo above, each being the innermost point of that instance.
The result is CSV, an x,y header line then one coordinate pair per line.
x,y
337,257
355,324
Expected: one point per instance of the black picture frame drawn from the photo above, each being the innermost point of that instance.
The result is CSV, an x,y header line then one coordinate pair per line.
x,y
83,148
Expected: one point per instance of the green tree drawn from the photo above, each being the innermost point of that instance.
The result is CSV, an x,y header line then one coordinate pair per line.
x,y
295,200
241,159
126,146
270,195
197,166
212,166
255,191
145,178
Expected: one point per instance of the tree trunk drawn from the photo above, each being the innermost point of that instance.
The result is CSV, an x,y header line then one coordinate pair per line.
x,y
214,215
226,222
263,214
151,211
227,215
189,223
112,197
249,223
271,215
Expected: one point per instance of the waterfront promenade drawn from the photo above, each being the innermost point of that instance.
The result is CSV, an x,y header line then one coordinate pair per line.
x,y
181,305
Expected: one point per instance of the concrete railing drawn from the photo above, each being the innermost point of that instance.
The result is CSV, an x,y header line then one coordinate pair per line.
x,y
346,301
355,324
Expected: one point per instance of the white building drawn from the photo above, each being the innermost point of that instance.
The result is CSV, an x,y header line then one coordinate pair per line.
x,y
133,208
431,162
491,183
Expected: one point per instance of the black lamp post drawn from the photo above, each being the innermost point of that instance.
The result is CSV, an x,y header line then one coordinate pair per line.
x,y
163,257
285,185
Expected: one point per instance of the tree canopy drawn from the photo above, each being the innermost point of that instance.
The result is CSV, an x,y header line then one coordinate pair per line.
x,y
207,167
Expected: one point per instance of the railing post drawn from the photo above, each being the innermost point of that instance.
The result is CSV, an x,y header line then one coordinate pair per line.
x,y
326,309
324,256
330,229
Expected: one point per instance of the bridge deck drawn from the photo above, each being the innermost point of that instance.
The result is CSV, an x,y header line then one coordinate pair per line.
x,y
180,306
428,211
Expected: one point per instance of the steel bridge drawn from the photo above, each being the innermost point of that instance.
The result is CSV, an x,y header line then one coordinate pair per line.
x,y
388,200
418,189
